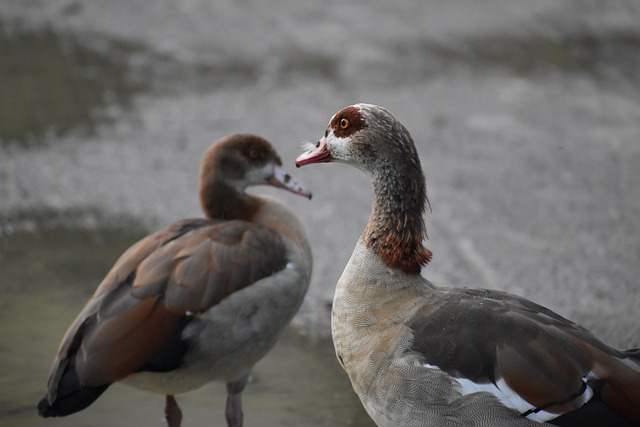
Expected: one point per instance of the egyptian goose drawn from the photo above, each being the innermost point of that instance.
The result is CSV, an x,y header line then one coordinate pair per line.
x,y
422,355
203,299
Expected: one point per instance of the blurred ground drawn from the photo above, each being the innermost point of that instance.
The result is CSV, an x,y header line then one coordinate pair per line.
x,y
526,116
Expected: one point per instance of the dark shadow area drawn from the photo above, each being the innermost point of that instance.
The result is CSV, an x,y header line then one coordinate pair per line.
x,y
54,84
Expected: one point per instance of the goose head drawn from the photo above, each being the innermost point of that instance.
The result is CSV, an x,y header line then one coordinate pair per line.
x,y
234,163
370,138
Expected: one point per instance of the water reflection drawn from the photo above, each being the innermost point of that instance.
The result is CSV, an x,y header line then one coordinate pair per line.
x,y
47,277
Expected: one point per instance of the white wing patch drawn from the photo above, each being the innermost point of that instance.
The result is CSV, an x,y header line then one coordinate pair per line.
x,y
512,400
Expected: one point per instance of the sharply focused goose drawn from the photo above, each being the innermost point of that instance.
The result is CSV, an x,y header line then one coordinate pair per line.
x,y
201,300
423,355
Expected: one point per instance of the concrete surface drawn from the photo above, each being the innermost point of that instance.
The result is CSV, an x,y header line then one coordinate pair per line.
x,y
526,116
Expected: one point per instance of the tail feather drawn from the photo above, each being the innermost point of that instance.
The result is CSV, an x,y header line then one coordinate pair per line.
x,y
71,397
620,390
633,354
623,400
71,403
592,414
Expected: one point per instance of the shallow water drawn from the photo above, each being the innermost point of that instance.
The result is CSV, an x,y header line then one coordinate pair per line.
x,y
48,276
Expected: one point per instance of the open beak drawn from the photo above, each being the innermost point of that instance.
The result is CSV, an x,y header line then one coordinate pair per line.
x,y
318,154
282,179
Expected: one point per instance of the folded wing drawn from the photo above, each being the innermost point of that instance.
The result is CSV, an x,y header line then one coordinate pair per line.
x,y
150,294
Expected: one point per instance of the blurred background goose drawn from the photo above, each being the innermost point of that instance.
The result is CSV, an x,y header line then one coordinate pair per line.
x,y
203,299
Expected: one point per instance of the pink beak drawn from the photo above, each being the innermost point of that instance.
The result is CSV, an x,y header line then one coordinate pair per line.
x,y
319,154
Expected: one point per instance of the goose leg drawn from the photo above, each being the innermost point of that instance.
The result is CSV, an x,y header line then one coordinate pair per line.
x,y
172,412
233,411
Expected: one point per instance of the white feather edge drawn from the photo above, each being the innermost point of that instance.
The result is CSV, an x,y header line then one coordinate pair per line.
x,y
307,146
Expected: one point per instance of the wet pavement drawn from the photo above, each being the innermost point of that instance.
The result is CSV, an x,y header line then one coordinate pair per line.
x,y
526,116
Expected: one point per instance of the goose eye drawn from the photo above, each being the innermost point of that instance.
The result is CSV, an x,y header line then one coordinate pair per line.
x,y
344,123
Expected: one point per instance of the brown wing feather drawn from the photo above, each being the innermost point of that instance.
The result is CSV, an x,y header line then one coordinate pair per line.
x,y
110,298
189,266
483,335
203,267
120,345
621,388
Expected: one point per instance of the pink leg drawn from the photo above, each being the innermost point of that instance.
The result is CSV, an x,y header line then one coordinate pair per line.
x,y
172,412
233,410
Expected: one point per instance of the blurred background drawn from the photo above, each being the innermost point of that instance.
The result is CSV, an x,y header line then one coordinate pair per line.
x,y
526,116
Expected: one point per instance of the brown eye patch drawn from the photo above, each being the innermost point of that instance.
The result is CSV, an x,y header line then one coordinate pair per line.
x,y
257,150
347,121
